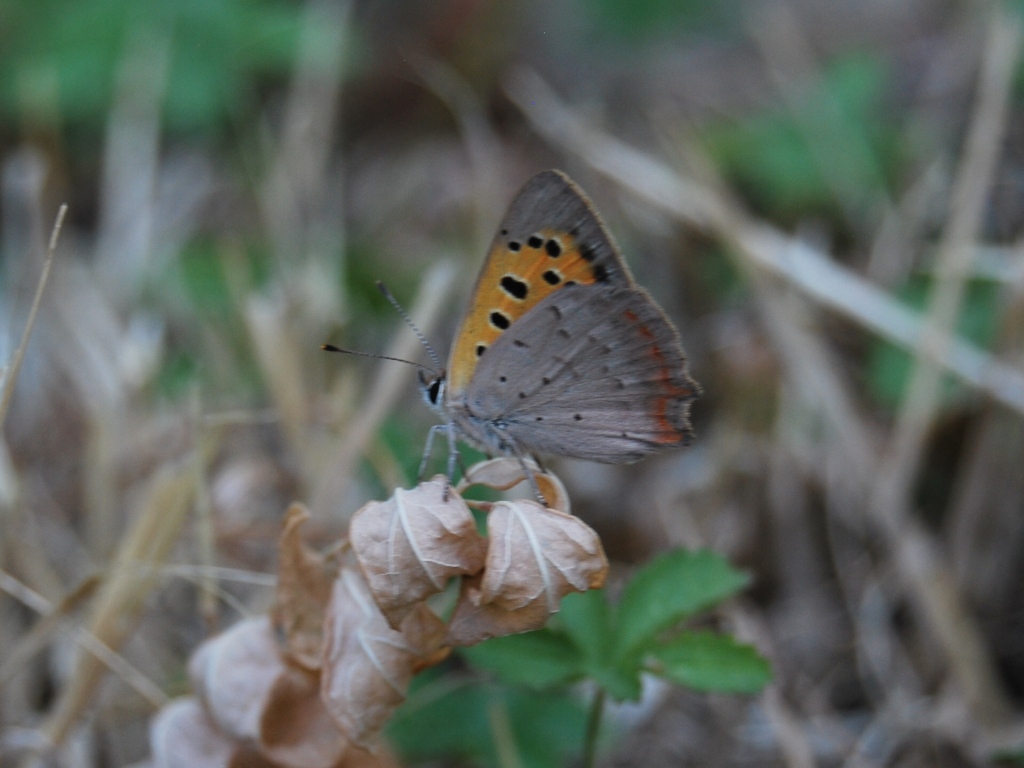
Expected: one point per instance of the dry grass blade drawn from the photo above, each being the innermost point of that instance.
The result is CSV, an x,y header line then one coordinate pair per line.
x,y
19,355
43,629
295,187
204,514
133,575
274,340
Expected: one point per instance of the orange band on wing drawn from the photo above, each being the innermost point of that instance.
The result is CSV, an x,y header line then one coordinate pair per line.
x,y
669,432
515,278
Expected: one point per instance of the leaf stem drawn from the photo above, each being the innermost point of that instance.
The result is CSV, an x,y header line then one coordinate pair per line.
x,y
593,728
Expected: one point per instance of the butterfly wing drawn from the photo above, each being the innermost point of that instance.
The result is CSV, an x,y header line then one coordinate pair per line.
x,y
593,371
550,238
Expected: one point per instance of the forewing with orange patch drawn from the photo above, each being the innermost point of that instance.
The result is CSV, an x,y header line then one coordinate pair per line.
x,y
551,237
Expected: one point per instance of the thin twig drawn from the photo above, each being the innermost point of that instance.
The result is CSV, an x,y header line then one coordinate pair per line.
x,y
19,355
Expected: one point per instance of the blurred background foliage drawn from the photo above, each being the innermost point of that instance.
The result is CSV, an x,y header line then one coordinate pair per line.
x,y
240,173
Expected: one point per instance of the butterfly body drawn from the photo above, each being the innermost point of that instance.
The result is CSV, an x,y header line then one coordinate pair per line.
x,y
560,352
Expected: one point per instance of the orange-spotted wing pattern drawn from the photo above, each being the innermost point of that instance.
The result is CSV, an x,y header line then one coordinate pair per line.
x,y
551,238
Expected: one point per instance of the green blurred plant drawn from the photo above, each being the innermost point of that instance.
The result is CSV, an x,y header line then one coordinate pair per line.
x,y
636,22
613,646
70,53
770,155
479,722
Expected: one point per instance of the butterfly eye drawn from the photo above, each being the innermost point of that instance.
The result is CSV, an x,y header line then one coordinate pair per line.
x,y
434,391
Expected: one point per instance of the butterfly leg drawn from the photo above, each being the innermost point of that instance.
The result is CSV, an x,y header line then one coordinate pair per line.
x,y
426,451
527,471
536,460
453,456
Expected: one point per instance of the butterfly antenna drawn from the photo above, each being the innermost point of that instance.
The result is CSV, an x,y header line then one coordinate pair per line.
x,y
408,321
332,348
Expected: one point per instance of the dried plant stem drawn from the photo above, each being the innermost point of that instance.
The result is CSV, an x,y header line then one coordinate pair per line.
x,y
19,355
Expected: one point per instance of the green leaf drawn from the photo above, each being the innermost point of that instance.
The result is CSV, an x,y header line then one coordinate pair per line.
x,y
669,589
621,680
706,661
586,618
640,21
577,643
540,659
444,720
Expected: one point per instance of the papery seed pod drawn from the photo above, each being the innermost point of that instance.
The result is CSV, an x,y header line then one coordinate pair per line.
x,y
409,546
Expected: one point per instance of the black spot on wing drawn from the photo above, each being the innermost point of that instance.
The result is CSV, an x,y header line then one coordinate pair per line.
x,y
514,287
535,241
587,252
553,248
499,320
551,277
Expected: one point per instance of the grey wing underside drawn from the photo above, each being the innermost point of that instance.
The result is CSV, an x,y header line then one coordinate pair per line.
x,y
593,372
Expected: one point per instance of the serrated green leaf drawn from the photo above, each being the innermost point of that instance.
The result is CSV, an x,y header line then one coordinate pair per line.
x,y
706,661
669,589
540,659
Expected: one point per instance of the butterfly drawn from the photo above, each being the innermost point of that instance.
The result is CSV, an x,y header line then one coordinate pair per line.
x,y
560,352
